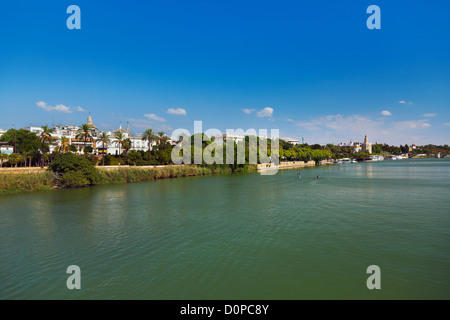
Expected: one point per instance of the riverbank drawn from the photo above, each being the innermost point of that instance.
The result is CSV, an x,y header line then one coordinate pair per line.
x,y
13,181
18,180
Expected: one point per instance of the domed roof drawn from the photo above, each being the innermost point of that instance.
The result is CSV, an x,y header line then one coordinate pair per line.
x,y
89,122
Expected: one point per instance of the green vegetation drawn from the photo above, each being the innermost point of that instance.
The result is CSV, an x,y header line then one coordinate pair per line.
x,y
64,174
305,153
66,169
16,183
130,175
71,170
84,133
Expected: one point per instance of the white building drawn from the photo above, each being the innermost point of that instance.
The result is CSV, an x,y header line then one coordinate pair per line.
x,y
5,148
236,138
136,142
71,132
291,141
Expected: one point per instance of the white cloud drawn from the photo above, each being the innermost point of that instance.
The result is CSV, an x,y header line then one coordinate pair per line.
x,y
59,107
355,123
80,109
178,111
429,115
338,128
266,112
447,124
413,124
386,113
248,111
154,117
405,102
402,101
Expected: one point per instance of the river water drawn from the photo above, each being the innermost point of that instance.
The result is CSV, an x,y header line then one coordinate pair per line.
x,y
243,236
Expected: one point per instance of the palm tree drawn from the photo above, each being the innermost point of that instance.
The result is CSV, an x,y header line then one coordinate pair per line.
x,y
120,139
45,136
162,138
126,147
105,140
84,133
64,144
150,136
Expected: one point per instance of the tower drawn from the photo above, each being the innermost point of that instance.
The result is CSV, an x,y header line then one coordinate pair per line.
x,y
128,127
90,123
367,146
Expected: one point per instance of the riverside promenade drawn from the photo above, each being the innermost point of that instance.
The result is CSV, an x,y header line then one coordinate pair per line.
x,y
293,164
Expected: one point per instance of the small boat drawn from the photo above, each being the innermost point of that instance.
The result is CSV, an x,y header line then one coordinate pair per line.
x,y
374,158
346,160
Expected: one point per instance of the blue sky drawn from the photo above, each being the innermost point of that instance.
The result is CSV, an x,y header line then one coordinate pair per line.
x,y
309,68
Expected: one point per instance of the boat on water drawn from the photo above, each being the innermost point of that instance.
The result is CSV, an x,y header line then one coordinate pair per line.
x,y
375,157
393,157
346,160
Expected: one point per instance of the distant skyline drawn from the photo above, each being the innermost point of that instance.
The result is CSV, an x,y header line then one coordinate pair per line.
x,y
312,70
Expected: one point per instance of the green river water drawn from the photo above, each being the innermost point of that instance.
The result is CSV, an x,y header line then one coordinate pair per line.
x,y
243,236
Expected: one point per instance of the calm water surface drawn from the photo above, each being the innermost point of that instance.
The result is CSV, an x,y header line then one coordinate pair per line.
x,y
237,236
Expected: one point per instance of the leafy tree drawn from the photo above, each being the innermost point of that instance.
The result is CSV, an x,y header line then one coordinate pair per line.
x,y
3,158
73,171
134,156
285,145
14,159
25,140
376,148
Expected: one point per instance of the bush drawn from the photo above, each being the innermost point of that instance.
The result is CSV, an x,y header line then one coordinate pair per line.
x,y
92,158
141,162
73,170
73,179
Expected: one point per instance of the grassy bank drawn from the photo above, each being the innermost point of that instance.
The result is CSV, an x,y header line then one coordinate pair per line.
x,y
17,183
